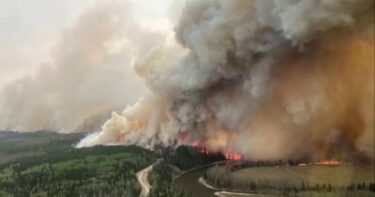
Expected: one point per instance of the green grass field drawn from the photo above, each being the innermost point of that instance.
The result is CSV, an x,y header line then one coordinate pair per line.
x,y
338,176
301,181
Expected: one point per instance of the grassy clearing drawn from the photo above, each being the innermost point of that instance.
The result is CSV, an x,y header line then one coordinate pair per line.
x,y
336,194
339,176
301,181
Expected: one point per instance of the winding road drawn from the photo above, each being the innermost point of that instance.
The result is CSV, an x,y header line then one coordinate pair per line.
x,y
191,182
222,193
143,180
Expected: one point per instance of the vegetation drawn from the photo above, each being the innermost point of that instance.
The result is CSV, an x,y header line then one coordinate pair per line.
x,y
188,157
58,169
161,181
46,164
184,158
16,145
297,180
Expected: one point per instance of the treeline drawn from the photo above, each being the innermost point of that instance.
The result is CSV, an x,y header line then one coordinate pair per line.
x,y
221,177
270,163
41,141
72,153
188,157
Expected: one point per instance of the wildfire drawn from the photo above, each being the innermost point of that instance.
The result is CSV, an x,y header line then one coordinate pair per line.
x,y
331,162
203,149
232,156
196,143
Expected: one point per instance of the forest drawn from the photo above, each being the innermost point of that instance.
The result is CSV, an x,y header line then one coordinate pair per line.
x,y
53,167
47,164
174,163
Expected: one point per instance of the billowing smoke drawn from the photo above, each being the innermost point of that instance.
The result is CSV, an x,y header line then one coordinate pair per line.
x,y
91,74
269,79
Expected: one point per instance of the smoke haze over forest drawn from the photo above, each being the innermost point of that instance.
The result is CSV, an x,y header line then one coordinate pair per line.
x,y
268,79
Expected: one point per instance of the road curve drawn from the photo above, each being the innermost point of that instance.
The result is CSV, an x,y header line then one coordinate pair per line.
x,y
223,193
143,181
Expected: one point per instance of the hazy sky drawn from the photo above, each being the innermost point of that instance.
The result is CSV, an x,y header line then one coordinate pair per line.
x,y
30,29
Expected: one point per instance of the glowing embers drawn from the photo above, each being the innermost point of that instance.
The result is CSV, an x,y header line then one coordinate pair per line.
x,y
228,155
200,147
331,162
232,156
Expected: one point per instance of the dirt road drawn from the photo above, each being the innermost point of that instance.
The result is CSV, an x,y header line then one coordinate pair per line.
x,y
143,181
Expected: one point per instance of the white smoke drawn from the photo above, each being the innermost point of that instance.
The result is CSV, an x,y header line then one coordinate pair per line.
x,y
255,76
222,78
91,73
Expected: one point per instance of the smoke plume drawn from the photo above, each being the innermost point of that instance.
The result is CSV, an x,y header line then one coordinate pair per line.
x,y
91,74
268,79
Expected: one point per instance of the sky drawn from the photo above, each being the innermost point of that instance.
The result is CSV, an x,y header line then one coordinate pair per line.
x,y
30,29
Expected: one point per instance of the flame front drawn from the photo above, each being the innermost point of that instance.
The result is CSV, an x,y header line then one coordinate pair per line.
x,y
330,162
232,156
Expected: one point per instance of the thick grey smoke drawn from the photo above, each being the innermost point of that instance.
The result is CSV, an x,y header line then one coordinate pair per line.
x,y
91,74
269,79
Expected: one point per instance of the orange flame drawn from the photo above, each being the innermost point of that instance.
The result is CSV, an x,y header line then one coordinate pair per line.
x,y
195,143
331,162
232,156
203,149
